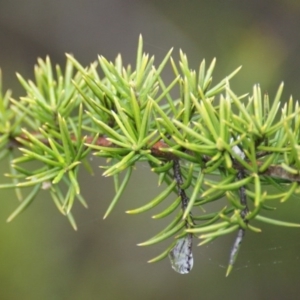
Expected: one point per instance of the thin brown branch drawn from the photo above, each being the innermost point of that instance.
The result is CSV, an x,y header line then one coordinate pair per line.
x,y
273,171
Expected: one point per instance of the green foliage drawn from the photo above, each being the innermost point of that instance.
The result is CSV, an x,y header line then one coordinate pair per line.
x,y
226,145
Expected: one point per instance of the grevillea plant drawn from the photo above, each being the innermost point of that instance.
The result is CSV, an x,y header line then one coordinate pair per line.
x,y
206,144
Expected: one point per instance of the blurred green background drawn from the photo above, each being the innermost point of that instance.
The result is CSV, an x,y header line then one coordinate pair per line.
x,y
41,257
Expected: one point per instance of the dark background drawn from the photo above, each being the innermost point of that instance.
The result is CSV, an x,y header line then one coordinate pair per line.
x,y
41,257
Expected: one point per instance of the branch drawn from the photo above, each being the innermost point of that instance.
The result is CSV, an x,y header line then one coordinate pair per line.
x,y
192,141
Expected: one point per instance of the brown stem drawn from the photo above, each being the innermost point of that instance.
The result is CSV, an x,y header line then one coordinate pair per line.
x,y
272,171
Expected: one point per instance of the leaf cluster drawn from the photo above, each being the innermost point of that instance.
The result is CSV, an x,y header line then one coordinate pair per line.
x,y
228,146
